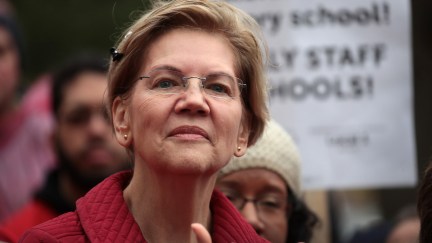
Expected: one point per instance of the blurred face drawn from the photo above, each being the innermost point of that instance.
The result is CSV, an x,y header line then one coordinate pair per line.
x,y
85,139
261,197
407,231
9,68
184,130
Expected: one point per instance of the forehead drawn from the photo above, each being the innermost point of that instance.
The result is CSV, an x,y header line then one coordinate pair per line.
x,y
254,180
87,88
191,50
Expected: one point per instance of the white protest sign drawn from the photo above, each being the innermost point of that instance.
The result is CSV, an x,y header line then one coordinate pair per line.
x,y
342,87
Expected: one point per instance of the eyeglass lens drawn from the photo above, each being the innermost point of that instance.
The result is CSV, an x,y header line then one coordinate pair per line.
x,y
268,204
82,115
167,81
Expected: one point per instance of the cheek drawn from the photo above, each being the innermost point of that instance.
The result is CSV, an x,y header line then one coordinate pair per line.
x,y
277,229
8,81
146,113
9,70
71,140
229,121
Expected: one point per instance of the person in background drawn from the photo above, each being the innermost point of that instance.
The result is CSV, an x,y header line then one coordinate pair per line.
x,y
86,147
264,185
403,228
376,232
424,205
406,228
26,122
6,8
187,91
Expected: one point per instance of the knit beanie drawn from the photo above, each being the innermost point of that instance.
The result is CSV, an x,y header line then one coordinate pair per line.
x,y
274,151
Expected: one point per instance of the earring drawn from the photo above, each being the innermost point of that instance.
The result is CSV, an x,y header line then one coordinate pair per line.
x,y
125,136
238,149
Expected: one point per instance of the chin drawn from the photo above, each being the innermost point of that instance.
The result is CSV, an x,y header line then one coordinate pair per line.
x,y
191,165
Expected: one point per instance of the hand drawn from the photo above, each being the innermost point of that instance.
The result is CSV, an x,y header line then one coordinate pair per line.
x,y
201,233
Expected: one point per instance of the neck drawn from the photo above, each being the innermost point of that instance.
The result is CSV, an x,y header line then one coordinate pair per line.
x,y
169,204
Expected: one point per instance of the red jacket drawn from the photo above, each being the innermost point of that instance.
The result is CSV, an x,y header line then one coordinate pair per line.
x,y
103,216
32,214
48,203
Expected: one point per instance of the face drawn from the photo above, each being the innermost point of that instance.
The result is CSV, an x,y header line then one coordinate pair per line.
x,y
9,68
85,139
406,231
189,132
268,215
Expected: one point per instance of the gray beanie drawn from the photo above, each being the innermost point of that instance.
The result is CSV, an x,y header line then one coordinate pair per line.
x,y
274,151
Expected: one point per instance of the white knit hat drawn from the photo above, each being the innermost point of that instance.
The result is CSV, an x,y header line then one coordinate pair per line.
x,y
274,151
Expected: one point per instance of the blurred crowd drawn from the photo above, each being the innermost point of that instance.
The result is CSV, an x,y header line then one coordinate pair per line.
x,y
57,143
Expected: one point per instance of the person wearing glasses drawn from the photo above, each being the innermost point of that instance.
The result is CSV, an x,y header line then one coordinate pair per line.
x,y
264,185
87,151
187,92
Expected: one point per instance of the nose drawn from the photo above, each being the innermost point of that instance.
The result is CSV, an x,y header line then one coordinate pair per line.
x,y
98,125
250,213
192,100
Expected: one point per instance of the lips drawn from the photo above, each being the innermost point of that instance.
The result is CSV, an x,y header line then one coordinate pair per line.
x,y
189,132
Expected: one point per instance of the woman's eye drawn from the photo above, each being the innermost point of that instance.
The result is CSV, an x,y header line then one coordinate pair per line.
x,y
219,85
166,84
270,204
218,88
78,118
231,198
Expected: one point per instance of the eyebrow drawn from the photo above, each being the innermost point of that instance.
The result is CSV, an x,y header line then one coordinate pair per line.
x,y
262,190
172,68
272,189
166,67
231,184
83,107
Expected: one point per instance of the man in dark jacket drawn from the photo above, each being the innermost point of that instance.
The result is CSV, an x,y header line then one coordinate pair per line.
x,y
86,149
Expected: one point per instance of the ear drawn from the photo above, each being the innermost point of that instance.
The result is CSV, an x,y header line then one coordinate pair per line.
x,y
242,139
120,116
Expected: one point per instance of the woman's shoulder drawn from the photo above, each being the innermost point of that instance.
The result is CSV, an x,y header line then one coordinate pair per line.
x,y
68,227
104,192
64,228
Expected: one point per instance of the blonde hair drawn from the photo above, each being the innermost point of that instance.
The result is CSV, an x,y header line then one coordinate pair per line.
x,y
240,29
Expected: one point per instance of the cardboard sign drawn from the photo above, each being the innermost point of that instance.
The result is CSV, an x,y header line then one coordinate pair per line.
x,y
341,85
